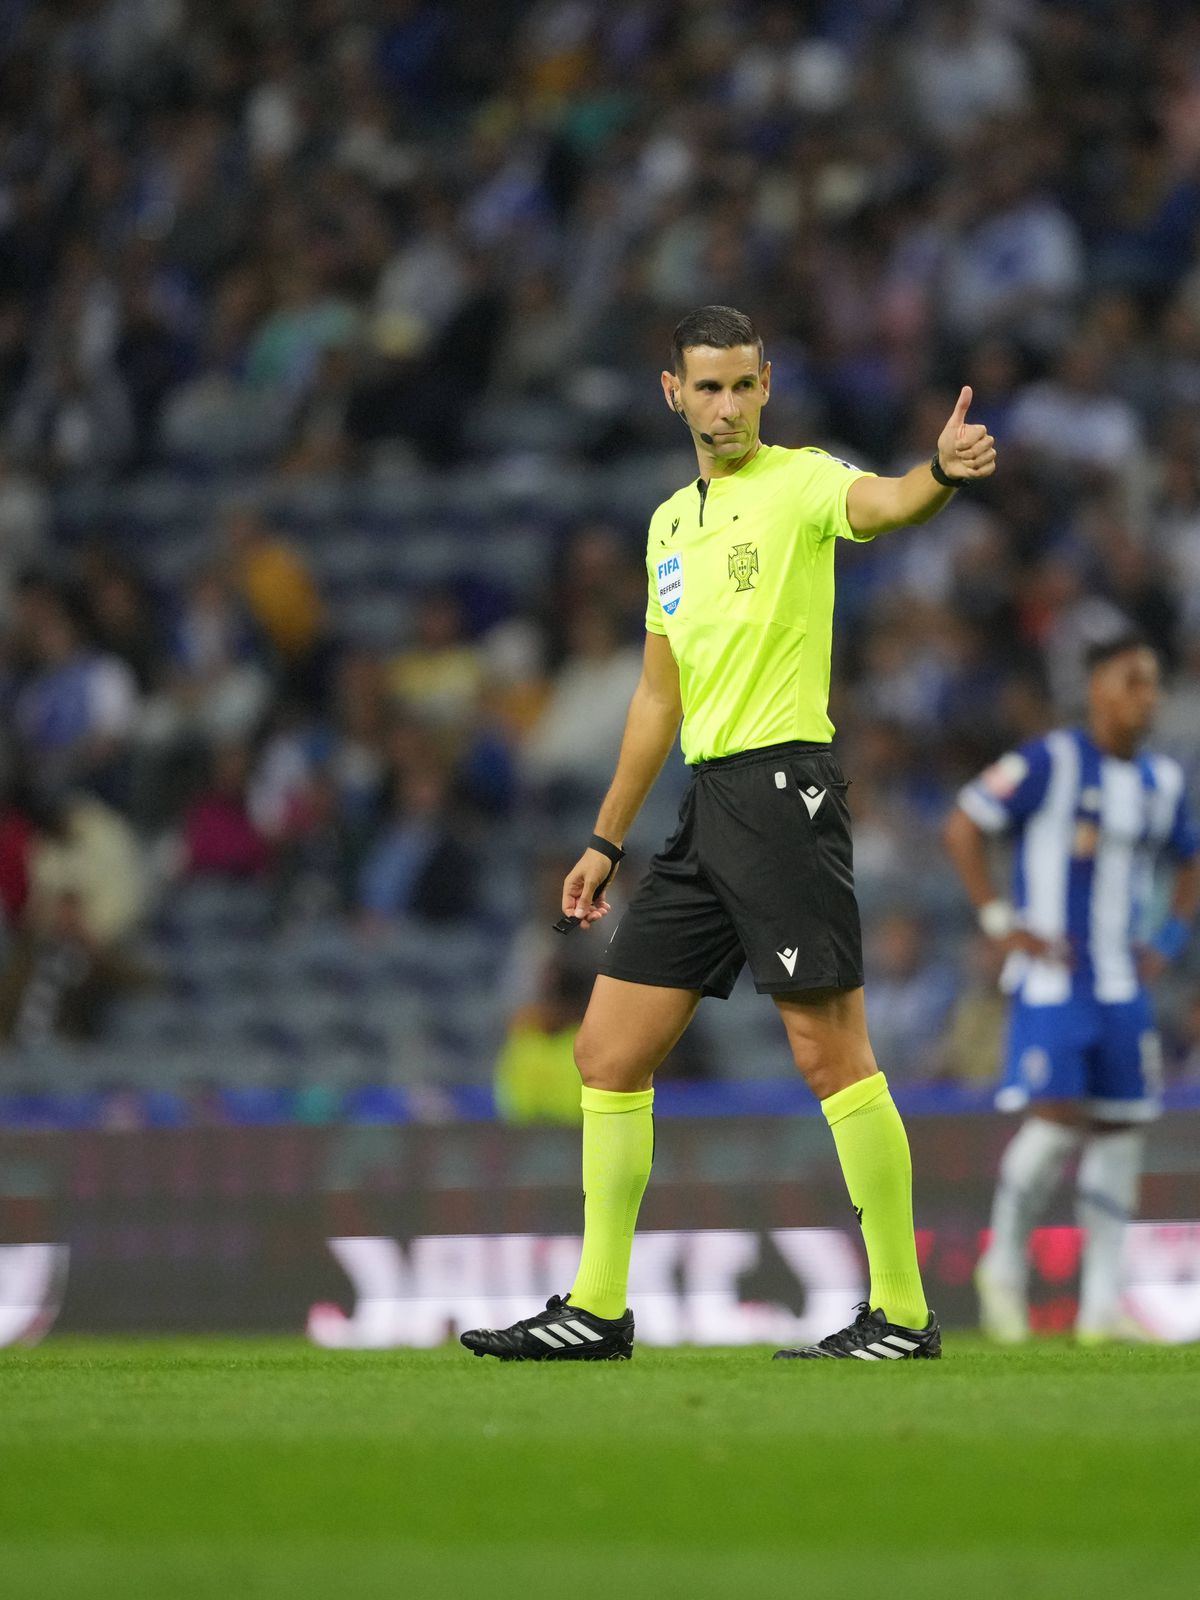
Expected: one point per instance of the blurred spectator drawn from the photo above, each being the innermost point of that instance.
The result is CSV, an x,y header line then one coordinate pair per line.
x,y
1062,617
419,866
77,709
1072,419
24,519
215,417
533,353
17,840
319,441
884,829
400,272
286,350
598,569
1137,584
978,69
575,741
154,354
219,836
72,422
536,1078
121,618
462,354
440,675
279,592
213,687
910,990
534,949
355,750
970,1050
424,283
86,851
1017,261
349,749
318,857
87,893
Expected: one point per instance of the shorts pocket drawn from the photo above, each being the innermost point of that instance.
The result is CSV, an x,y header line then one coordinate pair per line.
x,y
821,796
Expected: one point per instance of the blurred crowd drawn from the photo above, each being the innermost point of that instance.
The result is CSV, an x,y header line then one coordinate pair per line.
x,y
295,247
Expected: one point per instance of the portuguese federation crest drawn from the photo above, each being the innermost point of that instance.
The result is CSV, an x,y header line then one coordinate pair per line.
x,y
743,563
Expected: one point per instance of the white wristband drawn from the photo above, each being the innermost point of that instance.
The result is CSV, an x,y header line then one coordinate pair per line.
x,y
997,919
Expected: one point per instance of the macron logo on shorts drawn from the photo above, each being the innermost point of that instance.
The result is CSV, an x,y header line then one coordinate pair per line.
x,y
788,957
812,797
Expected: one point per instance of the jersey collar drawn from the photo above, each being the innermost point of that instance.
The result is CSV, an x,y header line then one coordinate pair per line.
x,y
750,470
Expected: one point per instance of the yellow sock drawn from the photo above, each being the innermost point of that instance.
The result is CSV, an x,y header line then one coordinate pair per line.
x,y
618,1146
873,1149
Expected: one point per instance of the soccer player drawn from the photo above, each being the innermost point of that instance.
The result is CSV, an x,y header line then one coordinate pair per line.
x,y
738,631
1089,814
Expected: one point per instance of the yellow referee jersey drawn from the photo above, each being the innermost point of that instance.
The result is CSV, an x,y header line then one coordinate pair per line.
x,y
741,583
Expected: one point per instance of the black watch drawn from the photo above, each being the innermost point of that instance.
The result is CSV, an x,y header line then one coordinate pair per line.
x,y
947,482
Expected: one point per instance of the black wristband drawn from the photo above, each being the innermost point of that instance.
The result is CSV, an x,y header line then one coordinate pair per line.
x,y
613,851
944,478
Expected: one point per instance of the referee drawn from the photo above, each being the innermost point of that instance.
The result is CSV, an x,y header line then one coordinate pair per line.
x,y
738,636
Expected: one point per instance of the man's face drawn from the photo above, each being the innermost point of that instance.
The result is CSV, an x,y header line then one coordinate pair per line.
x,y
722,392
1123,693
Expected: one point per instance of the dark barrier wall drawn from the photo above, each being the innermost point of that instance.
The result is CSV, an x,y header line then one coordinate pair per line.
x,y
397,1234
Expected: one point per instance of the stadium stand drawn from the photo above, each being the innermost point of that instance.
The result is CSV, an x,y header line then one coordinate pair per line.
x,y
329,427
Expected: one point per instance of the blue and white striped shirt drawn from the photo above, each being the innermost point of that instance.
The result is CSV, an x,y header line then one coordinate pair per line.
x,y
1088,830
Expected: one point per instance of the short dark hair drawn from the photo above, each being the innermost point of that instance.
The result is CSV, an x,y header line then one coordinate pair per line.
x,y
719,327
1120,644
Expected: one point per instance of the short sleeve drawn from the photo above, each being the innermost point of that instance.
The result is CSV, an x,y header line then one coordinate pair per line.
x,y
655,620
1182,841
1171,826
1008,792
826,486
654,610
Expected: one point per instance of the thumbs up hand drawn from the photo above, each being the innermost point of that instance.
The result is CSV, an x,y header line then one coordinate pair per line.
x,y
966,449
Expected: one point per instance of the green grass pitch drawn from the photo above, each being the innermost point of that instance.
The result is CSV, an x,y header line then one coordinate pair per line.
x,y
246,1469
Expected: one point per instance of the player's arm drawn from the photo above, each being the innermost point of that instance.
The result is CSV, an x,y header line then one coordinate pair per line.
x,y
1173,937
1185,894
967,846
966,451
650,730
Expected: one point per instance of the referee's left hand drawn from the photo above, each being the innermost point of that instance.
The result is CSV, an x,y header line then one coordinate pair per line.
x,y
966,449
580,886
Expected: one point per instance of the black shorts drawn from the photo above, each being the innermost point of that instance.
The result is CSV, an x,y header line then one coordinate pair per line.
x,y
760,869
